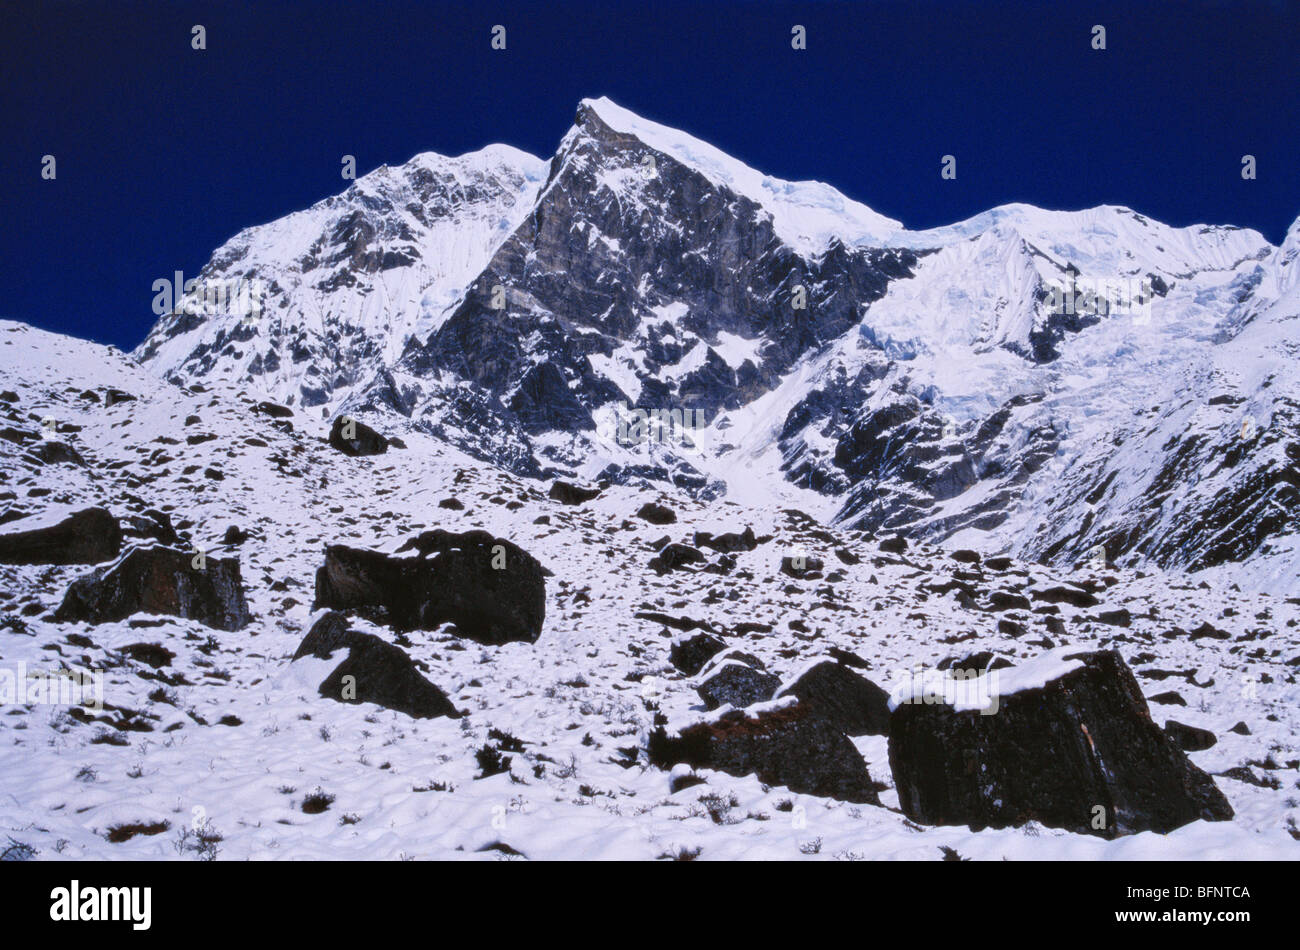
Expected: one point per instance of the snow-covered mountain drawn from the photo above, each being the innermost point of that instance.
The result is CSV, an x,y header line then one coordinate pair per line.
x,y
932,382
350,279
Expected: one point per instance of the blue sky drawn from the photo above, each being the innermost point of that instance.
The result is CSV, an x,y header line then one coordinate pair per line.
x,y
164,152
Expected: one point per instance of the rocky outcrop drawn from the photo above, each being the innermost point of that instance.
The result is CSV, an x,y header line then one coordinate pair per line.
x,y
87,536
782,745
852,703
160,580
1070,744
371,671
489,588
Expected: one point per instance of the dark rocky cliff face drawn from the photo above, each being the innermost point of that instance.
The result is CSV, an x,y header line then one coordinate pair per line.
x,y
634,259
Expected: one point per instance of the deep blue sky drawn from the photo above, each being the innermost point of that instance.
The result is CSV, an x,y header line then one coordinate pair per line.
x,y
163,152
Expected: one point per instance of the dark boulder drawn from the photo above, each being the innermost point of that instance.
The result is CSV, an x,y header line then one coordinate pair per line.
x,y
801,565
274,410
735,683
153,524
114,396
234,536
1062,594
160,580
1007,600
689,654
372,671
88,536
853,704
789,746
49,452
353,438
656,514
1190,738
977,663
729,542
491,589
894,545
567,494
1119,617
965,556
1078,752
673,557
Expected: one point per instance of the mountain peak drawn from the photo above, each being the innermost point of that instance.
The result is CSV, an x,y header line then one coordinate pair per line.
x,y
807,215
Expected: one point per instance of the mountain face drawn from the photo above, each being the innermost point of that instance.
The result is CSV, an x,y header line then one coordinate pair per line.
x,y
348,280
1041,383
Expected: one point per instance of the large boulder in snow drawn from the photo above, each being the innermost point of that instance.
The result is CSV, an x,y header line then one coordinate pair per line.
x,y
62,536
1065,739
854,704
733,682
568,494
353,438
370,670
491,589
781,743
689,654
160,580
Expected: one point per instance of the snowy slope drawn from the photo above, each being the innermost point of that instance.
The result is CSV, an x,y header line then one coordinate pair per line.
x,y
228,732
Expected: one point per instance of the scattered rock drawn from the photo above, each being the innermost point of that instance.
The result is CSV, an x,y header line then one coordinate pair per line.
x,y
62,536
1061,594
675,556
656,514
1190,738
568,494
1116,618
491,589
1079,752
788,745
50,452
152,524
1170,698
691,653
354,438
1007,600
853,704
800,565
371,671
735,683
895,545
274,410
114,396
728,543
160,580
